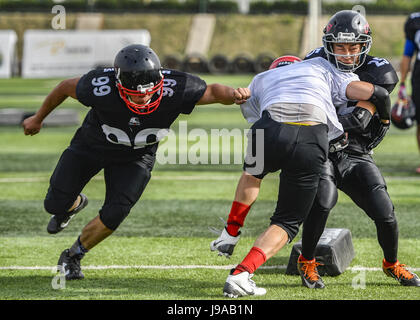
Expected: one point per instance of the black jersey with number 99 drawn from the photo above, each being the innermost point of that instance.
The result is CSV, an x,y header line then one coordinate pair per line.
x,y
112,129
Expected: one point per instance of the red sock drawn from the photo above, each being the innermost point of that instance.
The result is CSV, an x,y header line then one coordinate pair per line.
x,y
237,217
254,259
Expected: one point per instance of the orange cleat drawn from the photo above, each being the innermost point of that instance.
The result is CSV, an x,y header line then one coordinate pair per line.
x,y
400,273
309,273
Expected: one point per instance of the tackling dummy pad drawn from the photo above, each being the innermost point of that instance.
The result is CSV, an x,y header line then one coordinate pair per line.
x,y
334,250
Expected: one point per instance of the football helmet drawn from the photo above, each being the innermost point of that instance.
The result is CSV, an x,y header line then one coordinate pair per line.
x,y
139,73
403,113
284,61
347,26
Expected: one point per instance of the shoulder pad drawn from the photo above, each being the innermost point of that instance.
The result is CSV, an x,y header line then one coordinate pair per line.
x,y
172,73
379,71
411,25
318,52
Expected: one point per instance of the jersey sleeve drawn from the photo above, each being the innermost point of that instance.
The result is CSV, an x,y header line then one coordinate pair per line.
x,y
194,90
380,71
339,85
409,48
411,26
409,29
97,88
84,89
318,52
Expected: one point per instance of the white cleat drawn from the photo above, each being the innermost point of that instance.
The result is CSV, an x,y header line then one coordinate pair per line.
x,y
225,244
241,285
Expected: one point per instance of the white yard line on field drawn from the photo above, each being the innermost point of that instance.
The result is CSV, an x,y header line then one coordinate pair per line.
x,y
166,267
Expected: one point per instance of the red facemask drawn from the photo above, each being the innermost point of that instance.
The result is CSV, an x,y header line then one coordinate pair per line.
x,y
284,61
143,91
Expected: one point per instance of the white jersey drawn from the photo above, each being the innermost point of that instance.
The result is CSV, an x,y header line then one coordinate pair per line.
x,y
315,81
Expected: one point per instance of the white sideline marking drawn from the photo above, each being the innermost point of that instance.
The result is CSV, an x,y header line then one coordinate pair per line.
x,y
163,267
178,178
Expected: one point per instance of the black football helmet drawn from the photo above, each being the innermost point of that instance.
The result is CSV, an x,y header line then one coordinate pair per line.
x,y
403,113
347,26
139,73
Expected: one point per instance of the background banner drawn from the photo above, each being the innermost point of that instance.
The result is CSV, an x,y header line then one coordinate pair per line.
x,y
8,39
50,53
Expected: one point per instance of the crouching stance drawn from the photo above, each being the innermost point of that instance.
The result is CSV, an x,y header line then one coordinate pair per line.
x,y
132,108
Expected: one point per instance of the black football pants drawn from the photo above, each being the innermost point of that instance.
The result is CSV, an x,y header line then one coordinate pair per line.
x,y
300,152
124,181
361,180
415,95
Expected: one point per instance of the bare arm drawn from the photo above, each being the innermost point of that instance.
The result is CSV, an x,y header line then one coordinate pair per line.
x,y
405,66
369,106
359,90
218,93
65,89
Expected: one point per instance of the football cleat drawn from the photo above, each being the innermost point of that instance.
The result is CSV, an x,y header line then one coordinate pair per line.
x,y
309,274
400,273
225,244
240,285
59,222
70,266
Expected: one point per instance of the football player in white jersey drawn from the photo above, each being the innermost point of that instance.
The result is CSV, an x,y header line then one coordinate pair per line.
x,y
296,104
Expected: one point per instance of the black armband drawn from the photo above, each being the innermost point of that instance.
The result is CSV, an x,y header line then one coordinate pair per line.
x,y
380,98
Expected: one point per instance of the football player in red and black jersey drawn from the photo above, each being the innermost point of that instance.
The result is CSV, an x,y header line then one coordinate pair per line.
x,y
132,107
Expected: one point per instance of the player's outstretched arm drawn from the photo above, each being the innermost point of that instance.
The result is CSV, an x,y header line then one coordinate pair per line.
x,y
66,88
218,93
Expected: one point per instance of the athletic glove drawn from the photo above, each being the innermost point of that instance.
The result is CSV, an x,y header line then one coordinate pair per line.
x,y
402,93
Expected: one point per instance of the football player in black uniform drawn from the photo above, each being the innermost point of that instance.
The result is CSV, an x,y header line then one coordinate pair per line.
x,y
132,107
352,169
412,45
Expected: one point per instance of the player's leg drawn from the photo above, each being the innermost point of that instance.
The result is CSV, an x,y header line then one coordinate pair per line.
x,y
418,142
246,193
305,152
296,195
314,225
325,200
64,198
367,188
125,183
415,96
